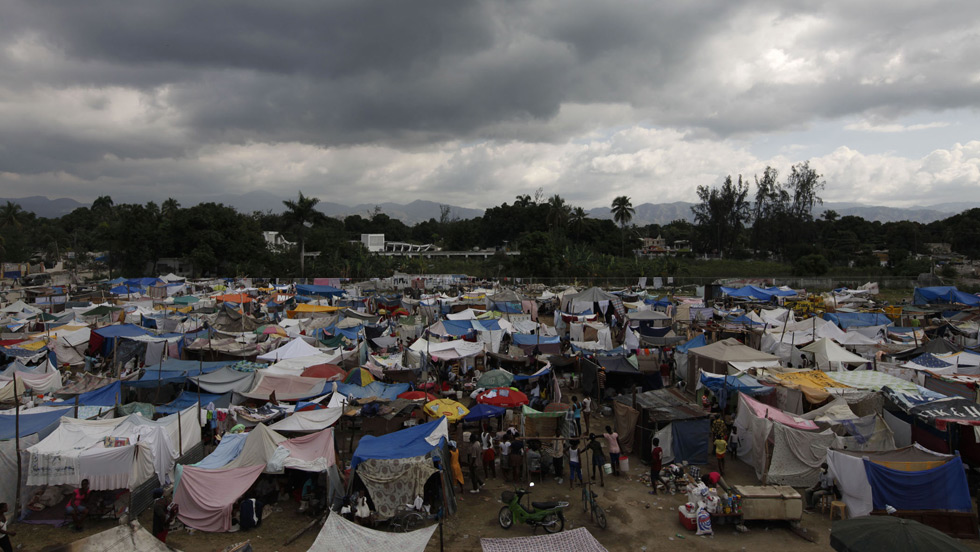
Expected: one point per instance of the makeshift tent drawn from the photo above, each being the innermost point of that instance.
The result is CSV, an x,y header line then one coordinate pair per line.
x,y
340,535
724,386
310,420
682,426
78,450
910,478
286,388
756,292
297,347
847,320
31,423
396,466
830,356
376,389
172,371
715,358
224,380
324,371
205,498
579,540
944,295
189,398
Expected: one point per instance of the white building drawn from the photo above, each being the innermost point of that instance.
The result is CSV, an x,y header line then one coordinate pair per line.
x,y
276,242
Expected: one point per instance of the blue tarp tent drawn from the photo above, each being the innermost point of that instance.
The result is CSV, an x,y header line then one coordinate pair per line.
x,y
187,399
30,423
378,389
127,289
457,328
944,294
723,386
857,319
318,291
228,449
528,339
756,292
699,341
173,371
406,443
507,308
484,411
103,396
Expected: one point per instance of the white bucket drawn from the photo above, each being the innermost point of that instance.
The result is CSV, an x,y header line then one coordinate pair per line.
x,y
607,468
624,464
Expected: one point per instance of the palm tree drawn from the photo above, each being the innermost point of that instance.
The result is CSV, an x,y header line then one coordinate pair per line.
x,y
623,211
576,220
302,214
11,215
558,213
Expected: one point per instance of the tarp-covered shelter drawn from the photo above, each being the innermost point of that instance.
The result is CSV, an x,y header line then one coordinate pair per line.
x,y
396,467
714,359
944,295
206,497
830,356
681,425
578,539
910,478
224,380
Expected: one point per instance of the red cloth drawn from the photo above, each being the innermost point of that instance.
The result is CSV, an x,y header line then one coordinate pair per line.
x,y
206,497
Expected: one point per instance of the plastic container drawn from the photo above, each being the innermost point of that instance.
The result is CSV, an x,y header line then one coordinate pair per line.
x,y
687,518
607,468
624,464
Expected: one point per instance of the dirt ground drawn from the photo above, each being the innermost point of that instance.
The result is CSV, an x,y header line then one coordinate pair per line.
x,y
637,521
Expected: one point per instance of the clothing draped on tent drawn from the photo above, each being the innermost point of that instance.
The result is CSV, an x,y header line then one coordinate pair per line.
x,y
940,488
394,482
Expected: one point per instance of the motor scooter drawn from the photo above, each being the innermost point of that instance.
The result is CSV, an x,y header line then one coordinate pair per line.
x,y
538,514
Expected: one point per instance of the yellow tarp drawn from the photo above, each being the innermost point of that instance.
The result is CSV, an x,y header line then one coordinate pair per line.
x,y
306,308
812,383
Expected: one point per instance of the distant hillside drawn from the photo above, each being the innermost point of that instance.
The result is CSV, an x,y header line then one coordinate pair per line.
x,y
44,207
422,210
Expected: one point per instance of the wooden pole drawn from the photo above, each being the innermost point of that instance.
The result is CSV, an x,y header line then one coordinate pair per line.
x,y
180,435
17,445
76,406
159,377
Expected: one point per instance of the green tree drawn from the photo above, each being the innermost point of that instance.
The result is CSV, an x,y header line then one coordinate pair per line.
x,y
11,215
721,215
811,265
300,215
622,212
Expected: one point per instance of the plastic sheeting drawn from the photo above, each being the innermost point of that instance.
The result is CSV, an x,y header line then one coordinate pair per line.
x,y
340,535
206,497
30,423
224,380
405,443
690,440
311,420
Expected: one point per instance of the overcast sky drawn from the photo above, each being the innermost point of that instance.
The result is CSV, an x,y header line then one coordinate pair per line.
x,y
472,103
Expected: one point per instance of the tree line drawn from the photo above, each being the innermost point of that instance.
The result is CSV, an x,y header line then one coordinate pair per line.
x,y
765,220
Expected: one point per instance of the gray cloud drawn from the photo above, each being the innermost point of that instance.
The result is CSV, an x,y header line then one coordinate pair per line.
x,y
474,101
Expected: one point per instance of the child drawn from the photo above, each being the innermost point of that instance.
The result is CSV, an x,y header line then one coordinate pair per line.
x,y
574,464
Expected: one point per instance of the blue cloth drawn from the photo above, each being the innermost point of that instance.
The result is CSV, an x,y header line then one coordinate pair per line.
x,y
126,289
756,292
855,319
228,449
930,361
723,387
103,396
149,281
484,411
457,328
320,291
690,440
943,294
188,398
173,371
378,389
942,488
699,341
406,443
528,339
29,423
522,377
507,308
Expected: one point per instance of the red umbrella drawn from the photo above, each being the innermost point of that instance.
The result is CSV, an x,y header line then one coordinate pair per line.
x,y
417,395
502,396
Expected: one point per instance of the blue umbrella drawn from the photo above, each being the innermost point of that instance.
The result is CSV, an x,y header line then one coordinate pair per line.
x,y
484,411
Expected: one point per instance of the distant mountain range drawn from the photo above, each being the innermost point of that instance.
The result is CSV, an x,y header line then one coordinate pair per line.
x,y
421,210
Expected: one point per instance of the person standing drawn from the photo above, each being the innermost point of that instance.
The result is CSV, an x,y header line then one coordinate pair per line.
x,y
487,442
587,411
656,465
505,457
574,464
456,469
473,459
598,458
163,514
721,447
5,532
577,409
612,439
517,460
76,507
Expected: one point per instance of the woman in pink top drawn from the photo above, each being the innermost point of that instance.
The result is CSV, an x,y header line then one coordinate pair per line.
x,y
612,438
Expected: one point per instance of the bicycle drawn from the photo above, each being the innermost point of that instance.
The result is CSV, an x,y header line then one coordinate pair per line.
x,y
590,506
